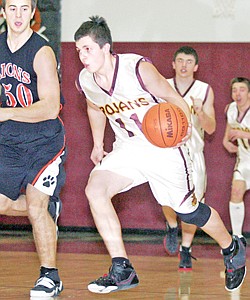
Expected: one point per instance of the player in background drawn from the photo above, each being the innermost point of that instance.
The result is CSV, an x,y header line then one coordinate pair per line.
x,y
32,139
121,88
236,140
200,98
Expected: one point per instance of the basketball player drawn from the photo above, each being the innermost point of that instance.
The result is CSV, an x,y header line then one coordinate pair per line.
x,y
32,142
238,131
121,88
200,98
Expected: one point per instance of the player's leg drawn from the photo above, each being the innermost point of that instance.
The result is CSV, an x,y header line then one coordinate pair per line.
x,y
101,187
234,250
9,207
234,254
170,240
44,232
12,175
44,210
237,206
42,225
188,230
55,209
216,229
18,207
176,189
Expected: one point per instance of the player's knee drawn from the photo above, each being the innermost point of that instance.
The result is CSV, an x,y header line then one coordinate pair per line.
x,y
199,217
98,189
94,192
89,192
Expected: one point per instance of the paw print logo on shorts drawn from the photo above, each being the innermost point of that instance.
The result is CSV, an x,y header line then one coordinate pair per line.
x,y
48,181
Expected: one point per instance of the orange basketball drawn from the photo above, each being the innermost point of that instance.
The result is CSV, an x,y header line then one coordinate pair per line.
x,y
165,125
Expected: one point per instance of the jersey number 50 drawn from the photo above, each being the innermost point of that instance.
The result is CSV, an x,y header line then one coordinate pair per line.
x,y
23,95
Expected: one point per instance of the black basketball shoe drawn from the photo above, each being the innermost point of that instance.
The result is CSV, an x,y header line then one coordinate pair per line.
x,y
235,264
120,277
185,259
47,285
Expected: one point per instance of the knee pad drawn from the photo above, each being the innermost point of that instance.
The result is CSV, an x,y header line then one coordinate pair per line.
x,y
199,217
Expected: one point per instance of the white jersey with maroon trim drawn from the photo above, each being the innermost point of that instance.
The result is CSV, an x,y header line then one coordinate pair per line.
x,y
244,125
167,170
197,89
127,101
242,166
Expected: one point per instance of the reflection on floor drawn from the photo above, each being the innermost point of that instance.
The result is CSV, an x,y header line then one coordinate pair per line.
x,y
82,257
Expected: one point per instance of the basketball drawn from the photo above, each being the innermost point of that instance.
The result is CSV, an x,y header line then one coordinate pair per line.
x,y
165,125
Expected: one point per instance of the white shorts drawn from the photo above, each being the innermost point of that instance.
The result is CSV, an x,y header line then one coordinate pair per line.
x,y
199,175
242,171
167,170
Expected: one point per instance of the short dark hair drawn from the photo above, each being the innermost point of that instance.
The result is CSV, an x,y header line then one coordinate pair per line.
x,y
97,29
241,79
33,4
189,51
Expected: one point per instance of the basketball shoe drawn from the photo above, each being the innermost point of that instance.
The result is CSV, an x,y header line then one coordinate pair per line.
x,y
47,285
120,277
170,241
244,241
235,264
185,259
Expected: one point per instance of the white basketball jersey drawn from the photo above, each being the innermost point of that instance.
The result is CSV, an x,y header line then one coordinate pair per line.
x,y
197,89
244,125
167,170
127,101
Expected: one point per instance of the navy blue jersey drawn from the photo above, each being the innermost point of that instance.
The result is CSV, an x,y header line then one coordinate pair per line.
x,y
30,152
17,75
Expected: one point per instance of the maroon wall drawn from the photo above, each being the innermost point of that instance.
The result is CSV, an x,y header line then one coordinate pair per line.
x,y
219,63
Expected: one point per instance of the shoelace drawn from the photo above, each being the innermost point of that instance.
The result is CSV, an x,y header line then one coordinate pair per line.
x,y
106,278
193,257
188,253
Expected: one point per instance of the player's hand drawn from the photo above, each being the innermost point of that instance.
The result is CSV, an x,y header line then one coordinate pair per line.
x,y
97,155
234,134
197,104
186,137
230,146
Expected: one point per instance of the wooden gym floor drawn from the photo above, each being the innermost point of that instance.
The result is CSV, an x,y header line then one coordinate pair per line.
x,y
82,258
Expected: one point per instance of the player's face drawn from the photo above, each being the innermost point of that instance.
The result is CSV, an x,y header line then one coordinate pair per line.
x,y
90,54
241,94
184,65
18,14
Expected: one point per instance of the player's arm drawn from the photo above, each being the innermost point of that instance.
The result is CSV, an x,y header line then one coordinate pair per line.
x,y
97,121
227,143
206,112
158,86
48,107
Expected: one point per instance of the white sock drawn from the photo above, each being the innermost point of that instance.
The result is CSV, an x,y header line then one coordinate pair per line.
x,y
237,215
